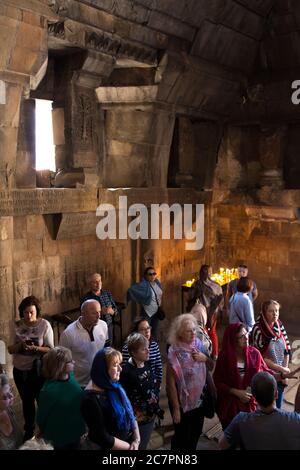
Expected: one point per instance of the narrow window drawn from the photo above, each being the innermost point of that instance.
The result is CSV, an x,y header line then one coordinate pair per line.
x,y
44,146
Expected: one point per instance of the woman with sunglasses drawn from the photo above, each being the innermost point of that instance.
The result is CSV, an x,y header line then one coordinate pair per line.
x,y
148,293
10,433
142,326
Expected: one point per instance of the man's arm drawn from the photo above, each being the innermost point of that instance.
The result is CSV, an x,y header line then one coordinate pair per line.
x,y
231,436
223,443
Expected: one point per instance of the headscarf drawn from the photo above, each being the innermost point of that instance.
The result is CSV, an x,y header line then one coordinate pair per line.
x,y
190,375
117,396
228,358
262,334
226,376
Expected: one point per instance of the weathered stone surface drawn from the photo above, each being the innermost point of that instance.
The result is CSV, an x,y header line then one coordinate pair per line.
x,y
58,119
210,44
126,94
77,225
47,201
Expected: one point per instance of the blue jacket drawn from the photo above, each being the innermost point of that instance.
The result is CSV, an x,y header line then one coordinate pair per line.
x,y
141,292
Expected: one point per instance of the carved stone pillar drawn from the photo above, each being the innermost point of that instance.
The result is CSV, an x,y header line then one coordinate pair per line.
x,y
271,146
79,151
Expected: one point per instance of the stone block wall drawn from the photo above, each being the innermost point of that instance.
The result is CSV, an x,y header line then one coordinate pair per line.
x,y
270,246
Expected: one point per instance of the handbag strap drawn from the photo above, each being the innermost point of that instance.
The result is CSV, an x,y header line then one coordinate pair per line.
x,y
154,295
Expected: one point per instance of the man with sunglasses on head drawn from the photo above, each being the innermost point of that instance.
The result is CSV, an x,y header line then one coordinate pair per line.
x,y
148,293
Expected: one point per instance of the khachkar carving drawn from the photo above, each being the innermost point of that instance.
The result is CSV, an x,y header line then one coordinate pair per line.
x,y
84,111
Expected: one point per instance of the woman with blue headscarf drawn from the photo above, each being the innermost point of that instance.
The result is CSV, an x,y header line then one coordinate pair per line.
x,y
105,406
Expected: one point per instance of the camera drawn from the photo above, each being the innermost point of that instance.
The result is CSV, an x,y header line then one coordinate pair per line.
x,y
160,413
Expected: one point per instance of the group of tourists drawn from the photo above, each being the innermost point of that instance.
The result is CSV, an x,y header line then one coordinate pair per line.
x,y
92,396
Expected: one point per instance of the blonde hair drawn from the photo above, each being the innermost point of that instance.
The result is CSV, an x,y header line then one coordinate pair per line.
x,y
266,304
177,326
55,361
111,354
136,341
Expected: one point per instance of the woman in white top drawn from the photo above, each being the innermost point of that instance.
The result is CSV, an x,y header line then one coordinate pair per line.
x,y
33,337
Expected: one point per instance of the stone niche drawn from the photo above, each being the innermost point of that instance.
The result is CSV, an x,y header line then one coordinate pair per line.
x,y
194,153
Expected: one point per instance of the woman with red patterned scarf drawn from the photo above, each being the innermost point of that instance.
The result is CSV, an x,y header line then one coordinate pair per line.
x,y
236,365
269,337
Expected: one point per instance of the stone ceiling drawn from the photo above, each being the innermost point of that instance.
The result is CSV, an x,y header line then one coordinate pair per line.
x,y
210,58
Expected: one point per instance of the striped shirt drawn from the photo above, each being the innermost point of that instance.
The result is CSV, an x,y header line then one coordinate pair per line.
x,y
257,340
154,359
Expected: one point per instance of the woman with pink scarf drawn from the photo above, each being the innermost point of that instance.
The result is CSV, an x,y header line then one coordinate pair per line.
x,y
186,378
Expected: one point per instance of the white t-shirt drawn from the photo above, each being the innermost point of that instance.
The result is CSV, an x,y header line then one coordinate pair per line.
x,y
78,340
40,334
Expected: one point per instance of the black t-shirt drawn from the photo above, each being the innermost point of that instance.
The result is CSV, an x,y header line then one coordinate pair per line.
x,y
142,390
98,414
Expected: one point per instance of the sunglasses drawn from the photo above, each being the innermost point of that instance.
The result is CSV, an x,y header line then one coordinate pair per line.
x,y
152,274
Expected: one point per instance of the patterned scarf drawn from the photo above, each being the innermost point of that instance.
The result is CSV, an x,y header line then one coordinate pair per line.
x,y
190,375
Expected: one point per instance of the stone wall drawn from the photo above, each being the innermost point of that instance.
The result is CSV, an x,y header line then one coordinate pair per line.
x,y
268,241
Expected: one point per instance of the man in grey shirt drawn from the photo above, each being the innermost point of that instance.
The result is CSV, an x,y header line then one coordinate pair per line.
x,y
267,428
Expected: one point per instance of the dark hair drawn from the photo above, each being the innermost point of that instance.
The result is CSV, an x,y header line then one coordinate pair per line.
x,y
242,266
244,285
264,388
267,303
137,323
240,328
203,273
27,302
148,269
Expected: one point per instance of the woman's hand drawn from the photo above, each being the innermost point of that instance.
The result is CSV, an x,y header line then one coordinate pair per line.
x,y
176,416
199,356
243,395
134,444
108,310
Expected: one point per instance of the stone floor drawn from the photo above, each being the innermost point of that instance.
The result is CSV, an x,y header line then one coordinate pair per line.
x,y
212,431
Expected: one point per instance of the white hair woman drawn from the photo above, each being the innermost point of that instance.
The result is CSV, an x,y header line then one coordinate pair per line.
x,y
186,378
10,434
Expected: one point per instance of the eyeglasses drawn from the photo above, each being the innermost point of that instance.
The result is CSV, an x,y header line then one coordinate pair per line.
x,y
244,335
152,274
145,329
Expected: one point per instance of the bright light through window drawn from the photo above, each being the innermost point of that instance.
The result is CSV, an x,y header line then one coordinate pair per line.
x,y
44,146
